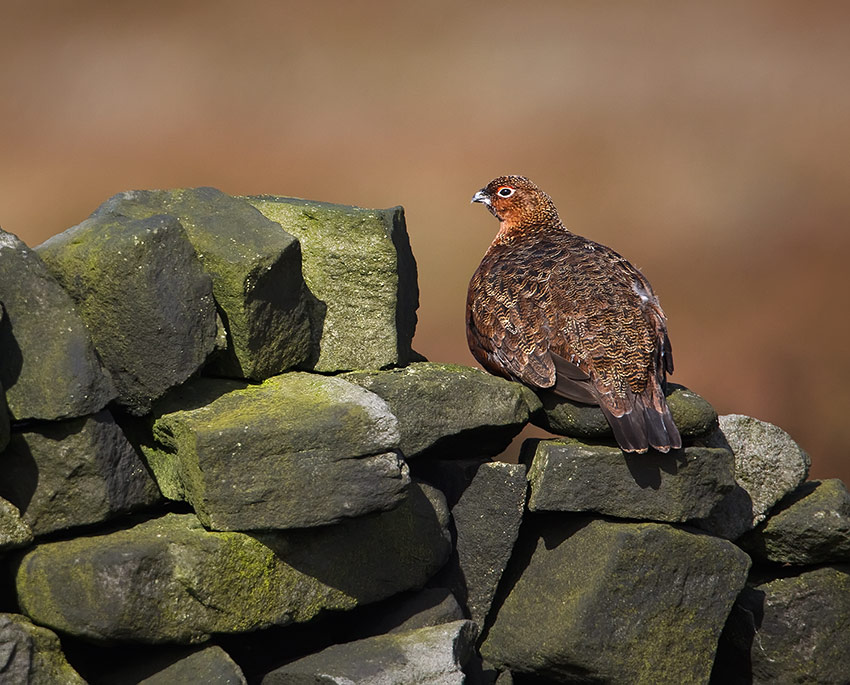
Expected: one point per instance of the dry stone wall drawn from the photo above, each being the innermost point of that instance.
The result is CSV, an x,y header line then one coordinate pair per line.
x,y
221,461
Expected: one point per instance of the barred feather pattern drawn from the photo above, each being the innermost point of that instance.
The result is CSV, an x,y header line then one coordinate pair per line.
x,y
555,310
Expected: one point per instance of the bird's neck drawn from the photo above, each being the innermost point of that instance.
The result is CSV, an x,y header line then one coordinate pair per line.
x,y
511,230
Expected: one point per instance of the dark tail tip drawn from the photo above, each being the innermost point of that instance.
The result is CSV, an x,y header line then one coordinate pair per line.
x,y
643,427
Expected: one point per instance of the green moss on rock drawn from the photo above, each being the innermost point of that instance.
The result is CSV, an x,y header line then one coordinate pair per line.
x,y
447,410
256,275
50,369
361,272
170,580
610,601
244,458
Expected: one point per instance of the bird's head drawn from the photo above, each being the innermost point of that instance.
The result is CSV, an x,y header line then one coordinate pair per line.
x,y
515,200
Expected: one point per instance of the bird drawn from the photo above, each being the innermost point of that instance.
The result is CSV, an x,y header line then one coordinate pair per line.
x,y
556,311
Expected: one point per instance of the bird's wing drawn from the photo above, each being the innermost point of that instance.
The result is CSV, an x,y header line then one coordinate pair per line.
x,y
507,328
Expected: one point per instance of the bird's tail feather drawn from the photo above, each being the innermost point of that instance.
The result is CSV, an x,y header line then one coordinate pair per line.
x,y
647,424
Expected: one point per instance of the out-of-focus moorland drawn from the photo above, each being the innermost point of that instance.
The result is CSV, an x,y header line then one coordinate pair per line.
x,y
708,142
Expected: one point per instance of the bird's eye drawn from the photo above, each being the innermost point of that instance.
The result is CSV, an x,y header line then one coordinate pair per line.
x,y
505,191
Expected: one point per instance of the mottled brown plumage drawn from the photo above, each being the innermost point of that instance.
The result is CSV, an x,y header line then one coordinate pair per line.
x,y
556,311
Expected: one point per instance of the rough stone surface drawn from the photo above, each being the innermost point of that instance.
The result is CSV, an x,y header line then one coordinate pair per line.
x,y
692,415
431,606
358,265
256,275
568,475
809,526
170,580
487,518
210,666
75,472
49,369
243,459
13,531
768,465
610,602
446,410
5,424
425,656
790,630
32,655
141,290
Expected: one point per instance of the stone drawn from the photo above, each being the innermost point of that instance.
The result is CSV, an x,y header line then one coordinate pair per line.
x,y
768,465
256,275
431,606
5,424
446,410
50,369
425,656
692,414
75,472
244,459
13,531
168,580
568,475
790,629
809,526
210,666
142,293
360,269
487,518
32,655
602,601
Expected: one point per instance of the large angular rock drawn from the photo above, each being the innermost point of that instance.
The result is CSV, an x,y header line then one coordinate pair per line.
x,y
210,666
790,630
359,266
73,473
256,275
143,295
431,606
32,655
170,580
244,459
768,465
809,526
568,475
487,518
692,415
49,368
446,410
600,601
13,531
425,656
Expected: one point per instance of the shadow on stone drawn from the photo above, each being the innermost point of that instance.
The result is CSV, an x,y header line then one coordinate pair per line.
x,y
646,468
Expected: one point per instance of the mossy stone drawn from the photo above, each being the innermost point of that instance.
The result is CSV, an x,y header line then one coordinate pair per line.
x,y
5,424
143,295
49,367
256,275
569,475
615,602
790,629
360,269
14,532
809,526
74,473
32,655
170,580
245,458
425,656
447,410
692,414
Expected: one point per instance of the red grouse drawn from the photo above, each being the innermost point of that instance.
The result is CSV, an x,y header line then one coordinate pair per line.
x,y
556,311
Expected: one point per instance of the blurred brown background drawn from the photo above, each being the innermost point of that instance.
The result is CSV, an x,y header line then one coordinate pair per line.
x,y
708,142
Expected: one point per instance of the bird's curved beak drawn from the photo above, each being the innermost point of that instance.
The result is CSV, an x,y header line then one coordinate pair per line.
x,y
481,196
